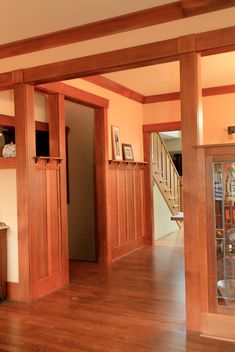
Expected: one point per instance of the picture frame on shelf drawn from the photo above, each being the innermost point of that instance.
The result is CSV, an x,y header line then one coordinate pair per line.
x,y
127,152
116,143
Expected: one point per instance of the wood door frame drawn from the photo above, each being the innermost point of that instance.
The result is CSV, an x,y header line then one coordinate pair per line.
x,y
147,130
100,106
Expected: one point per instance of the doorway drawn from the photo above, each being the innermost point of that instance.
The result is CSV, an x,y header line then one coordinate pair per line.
x,y
81,189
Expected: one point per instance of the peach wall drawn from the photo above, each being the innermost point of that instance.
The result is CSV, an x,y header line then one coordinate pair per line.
x,y
122,112
161,112
218,112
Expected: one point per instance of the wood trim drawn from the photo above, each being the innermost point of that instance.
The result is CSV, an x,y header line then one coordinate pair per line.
x,y
138,56
191,111
223,37
119,24
7,163
102,194
206,92
142,55
128,248
13,291
25,125
158,98
148,189
115,87
162,127
7,120
74,94
218,326
147,130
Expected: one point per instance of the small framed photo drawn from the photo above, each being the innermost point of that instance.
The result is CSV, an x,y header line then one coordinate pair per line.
x,y
116,143
127,152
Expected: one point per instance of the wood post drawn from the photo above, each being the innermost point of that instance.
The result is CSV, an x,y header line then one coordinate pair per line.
x,y
25,140
191,135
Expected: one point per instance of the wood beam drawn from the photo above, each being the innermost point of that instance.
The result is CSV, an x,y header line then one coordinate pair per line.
x,y
119,24
162,127
74,94
25,138
206,92
115,87
190,122
142,55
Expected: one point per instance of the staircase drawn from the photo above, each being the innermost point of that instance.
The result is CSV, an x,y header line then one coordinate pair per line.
x,y
165,175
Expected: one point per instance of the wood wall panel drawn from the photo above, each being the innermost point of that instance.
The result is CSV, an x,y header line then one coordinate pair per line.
x,y
122,216
113,210
127,208
130,205
39,249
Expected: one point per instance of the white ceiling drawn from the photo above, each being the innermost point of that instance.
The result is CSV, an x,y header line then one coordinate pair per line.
x,y
26,18
217,70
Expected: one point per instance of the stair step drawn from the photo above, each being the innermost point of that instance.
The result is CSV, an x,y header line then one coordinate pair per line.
x,y
171,198
176,206
168,189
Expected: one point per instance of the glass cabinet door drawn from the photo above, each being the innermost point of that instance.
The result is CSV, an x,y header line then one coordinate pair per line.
x,y
224,211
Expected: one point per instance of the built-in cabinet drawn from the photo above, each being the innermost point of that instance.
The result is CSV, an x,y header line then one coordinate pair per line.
x,y
216,202
224,213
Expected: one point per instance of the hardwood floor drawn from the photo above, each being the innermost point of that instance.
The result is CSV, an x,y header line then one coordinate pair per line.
x,y
173,239
135,305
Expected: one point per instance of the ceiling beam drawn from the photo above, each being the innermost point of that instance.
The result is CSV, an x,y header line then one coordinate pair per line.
x,y
123,59
140,19
206,92
142,55
74,94
115,87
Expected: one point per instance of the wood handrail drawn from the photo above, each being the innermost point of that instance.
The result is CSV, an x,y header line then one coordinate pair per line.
x,y
165,174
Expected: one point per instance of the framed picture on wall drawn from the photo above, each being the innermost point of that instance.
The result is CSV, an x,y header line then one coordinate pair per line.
x,y
127,152
117,149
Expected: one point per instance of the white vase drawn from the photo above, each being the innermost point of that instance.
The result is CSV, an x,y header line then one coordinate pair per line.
x,y
9,151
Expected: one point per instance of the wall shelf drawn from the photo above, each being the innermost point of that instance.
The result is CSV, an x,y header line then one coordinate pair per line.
x,y
48,160
7,163
126,163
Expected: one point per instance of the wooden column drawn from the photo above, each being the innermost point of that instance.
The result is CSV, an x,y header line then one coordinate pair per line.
x,y
102,197
191,95
57,143
25,142
148,189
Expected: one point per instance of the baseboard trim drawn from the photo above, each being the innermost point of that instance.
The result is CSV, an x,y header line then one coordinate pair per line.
x,y
128,248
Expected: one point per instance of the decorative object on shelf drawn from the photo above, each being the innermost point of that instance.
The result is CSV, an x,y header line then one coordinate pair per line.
x,y
230,182
9,151
127,152
117,151
230,238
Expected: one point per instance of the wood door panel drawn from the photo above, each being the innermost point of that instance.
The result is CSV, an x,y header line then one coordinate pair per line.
x,y
40,241
130,205
139,205
54,221
122,218
113,211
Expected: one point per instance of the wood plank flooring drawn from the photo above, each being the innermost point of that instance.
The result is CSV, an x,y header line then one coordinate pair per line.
x,y
135,305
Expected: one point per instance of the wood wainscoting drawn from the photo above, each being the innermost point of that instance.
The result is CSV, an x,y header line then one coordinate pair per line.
x,y
127,222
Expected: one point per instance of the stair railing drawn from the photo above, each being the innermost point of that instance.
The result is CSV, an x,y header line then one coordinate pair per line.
x,y
165,173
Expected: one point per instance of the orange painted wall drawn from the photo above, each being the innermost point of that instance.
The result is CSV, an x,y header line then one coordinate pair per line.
x,y
218,114
122,112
